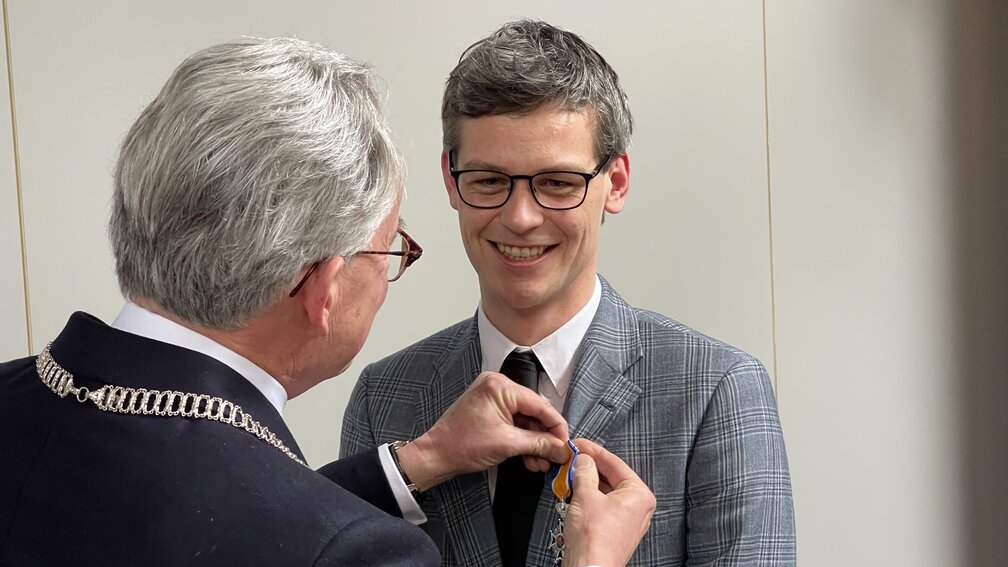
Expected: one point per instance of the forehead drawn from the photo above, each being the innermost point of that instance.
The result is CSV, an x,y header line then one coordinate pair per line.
x,y
551,134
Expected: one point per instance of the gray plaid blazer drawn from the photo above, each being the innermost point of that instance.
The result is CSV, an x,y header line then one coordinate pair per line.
x,y
695,418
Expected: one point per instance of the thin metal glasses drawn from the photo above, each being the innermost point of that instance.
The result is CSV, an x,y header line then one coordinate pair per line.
x,y
489,189
402,246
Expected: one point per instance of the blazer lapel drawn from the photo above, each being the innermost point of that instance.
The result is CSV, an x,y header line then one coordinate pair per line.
x,y
600,393
463,503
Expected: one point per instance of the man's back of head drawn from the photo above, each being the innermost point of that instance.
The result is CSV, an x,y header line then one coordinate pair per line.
x,y
257,158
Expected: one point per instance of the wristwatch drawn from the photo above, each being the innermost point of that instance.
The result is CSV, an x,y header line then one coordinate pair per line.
x,y
393,447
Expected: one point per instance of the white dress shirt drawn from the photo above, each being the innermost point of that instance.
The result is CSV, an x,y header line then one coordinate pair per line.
x,y
139,321
555,353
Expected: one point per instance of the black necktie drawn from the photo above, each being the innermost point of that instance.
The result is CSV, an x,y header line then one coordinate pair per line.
x,y
518,489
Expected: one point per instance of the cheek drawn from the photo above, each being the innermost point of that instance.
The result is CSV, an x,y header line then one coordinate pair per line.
x,y
582,234
472,225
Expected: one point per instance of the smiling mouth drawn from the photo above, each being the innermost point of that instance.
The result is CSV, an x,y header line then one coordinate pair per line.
x,y
521,252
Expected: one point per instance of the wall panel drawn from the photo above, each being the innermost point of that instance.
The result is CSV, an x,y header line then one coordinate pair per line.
x,y
13,323
860,173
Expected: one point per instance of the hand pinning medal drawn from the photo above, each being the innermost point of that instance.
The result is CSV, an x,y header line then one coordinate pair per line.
x,y
563,487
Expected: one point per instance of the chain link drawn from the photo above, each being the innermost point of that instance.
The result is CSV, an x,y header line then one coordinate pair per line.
x,y
162,403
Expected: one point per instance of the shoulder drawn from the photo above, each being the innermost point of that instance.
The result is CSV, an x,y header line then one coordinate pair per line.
x,y
16,369
427,352
659,333
667,346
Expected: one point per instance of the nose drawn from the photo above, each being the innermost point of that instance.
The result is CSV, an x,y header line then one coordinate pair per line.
x,y
521,213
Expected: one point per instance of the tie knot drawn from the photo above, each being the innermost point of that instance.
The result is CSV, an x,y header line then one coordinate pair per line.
x,y
523,368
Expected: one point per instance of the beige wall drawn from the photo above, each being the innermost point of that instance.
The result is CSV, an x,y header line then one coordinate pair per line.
x,y
862,262
791,195
13,330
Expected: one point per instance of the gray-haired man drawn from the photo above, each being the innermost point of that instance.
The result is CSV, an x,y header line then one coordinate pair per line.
x,y
255,227
536,131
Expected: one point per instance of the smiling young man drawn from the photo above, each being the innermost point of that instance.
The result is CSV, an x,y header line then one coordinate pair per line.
x,y
536,132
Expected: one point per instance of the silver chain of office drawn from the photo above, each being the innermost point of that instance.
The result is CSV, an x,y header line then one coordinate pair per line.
x,y
162,403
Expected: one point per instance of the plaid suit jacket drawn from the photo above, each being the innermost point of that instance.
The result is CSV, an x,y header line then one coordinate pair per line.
x,y
695,418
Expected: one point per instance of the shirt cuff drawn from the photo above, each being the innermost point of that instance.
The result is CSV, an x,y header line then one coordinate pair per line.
x,y
407,504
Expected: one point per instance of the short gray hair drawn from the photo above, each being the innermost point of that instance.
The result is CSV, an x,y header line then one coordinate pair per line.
x,y
257,158
528,64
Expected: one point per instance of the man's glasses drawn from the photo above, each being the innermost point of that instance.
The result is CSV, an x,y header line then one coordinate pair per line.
x,y
405,248
489,189
402,246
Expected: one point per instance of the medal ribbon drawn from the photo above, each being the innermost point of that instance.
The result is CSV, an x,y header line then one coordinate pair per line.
x,y
563,480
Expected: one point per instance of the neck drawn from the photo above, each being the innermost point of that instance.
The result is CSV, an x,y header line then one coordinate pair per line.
x,y
252,340
528,326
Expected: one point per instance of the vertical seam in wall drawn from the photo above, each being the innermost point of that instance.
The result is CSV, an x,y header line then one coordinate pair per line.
x,y
773,287
17,179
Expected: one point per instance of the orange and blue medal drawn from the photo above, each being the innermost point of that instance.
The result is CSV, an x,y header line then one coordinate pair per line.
x,y
563,488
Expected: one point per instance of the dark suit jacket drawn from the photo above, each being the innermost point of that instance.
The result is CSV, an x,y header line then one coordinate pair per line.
x,y
694,417
80,486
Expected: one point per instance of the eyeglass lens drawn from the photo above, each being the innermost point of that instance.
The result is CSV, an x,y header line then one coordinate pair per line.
x,y
397,264
553,189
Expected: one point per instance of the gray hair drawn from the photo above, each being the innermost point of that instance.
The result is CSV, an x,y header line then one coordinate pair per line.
x,y
527,64
257,158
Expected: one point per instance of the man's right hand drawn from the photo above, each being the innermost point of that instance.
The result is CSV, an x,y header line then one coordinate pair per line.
x,y
493,420
609,512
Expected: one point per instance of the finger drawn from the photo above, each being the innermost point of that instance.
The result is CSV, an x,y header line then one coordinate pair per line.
x,y
539,444
532,405
585,475
536,464
609,466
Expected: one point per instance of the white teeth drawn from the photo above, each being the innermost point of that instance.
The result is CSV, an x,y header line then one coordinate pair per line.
x,y
521,253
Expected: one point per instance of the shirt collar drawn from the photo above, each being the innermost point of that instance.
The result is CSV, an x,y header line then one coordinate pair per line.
x,y
139,321
555,352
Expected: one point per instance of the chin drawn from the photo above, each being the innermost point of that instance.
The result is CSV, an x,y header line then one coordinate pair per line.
x,y
526,298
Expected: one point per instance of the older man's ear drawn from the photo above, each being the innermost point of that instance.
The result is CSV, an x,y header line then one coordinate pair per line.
x,y
321,292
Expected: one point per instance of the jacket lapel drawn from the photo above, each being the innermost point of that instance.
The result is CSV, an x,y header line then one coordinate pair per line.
x,y
600,394
463,503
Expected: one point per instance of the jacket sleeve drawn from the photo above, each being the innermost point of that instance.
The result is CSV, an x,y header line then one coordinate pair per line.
x,y
379,541
739,505
363,475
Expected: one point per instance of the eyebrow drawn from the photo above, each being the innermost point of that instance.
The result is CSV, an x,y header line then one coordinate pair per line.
x,y
482,165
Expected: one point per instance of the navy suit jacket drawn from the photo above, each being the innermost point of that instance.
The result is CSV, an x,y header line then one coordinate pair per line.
x,y
694,417
80,486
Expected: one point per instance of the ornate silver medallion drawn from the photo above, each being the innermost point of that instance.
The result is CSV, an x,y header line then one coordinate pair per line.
x,y
558,544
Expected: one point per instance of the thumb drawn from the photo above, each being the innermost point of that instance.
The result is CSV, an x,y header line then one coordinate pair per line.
x,y
585,474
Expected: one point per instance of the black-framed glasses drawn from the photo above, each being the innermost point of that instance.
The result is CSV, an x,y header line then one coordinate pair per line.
x,y
402,246
489,189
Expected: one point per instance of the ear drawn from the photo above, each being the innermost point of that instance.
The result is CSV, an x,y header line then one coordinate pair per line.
x,y
321,293
449,181
619,183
